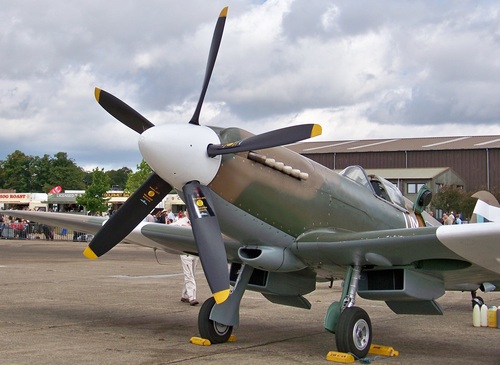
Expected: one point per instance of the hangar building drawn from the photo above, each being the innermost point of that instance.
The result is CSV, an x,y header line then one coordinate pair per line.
x,y
475,159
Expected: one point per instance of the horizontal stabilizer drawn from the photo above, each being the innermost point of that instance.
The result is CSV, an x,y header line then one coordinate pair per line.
x,y
487,211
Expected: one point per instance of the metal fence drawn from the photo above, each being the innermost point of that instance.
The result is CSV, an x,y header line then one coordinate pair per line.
x,y
35,231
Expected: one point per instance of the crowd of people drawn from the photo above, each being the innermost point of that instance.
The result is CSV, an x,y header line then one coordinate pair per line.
x,y
451,218
11,227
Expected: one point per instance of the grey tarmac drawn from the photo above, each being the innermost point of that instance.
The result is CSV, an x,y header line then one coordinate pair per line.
x,y
57,307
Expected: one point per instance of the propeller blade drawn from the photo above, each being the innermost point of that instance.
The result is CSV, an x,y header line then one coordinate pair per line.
x,y
278,137
212,56
137,206
208,238
121,111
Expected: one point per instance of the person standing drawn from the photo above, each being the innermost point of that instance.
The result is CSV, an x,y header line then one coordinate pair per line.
x,y
170,216
149,218
189,264
47,231
160,217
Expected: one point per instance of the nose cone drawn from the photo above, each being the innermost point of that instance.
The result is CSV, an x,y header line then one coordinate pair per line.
x,y
178,153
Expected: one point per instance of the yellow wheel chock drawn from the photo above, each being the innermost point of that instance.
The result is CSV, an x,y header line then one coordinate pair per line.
x,y
204,342
344,358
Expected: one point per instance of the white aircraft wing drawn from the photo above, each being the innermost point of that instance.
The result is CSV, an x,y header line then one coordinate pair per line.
x,y
76,222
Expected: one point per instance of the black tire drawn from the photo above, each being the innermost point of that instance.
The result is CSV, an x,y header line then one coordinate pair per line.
x,y
353,333
213,331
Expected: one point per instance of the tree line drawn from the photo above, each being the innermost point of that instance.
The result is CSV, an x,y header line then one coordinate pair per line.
x,y
93,198
35,174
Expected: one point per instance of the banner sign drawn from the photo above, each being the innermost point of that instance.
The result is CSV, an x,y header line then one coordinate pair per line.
x,y
15,197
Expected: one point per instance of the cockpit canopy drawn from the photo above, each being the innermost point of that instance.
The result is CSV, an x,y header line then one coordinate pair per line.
x,y
381,187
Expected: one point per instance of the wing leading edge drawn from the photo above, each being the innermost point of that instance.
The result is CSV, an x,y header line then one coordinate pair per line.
x,y
460,254
168,237
76,222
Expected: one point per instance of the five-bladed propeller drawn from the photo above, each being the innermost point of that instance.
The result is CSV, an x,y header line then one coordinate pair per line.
x,y
191,170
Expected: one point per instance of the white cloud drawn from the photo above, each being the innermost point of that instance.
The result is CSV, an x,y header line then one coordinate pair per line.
x,y
361,69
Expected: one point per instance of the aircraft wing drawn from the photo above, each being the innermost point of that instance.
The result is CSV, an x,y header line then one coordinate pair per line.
x,y
468,253
168,237
76,222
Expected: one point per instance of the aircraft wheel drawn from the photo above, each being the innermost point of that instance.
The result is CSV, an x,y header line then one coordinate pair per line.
x,y
353,333
213,331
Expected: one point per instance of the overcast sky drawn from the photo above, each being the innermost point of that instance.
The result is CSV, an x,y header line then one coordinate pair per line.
x,y
361,69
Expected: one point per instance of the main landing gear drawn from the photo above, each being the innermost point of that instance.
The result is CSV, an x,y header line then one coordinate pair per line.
x,y
351,325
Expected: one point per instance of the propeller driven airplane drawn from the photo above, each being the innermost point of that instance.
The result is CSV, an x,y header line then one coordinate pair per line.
x,y
284,223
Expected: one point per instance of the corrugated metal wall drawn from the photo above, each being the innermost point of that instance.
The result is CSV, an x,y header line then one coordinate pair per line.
x,y
494,169
468,164
478,167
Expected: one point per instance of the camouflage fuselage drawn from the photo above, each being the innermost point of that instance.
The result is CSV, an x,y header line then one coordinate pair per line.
x,y
320,199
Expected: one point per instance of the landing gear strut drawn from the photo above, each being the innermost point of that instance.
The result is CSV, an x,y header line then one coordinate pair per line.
x,y
351,325
476,300
216,321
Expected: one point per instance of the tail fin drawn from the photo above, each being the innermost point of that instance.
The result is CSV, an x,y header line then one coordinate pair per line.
x,y
487,208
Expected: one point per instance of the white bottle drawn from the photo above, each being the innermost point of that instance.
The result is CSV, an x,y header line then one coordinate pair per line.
x,y
476,316
484,316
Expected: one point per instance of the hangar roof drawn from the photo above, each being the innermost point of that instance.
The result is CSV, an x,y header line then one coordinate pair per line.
x,y
408,174
398,144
